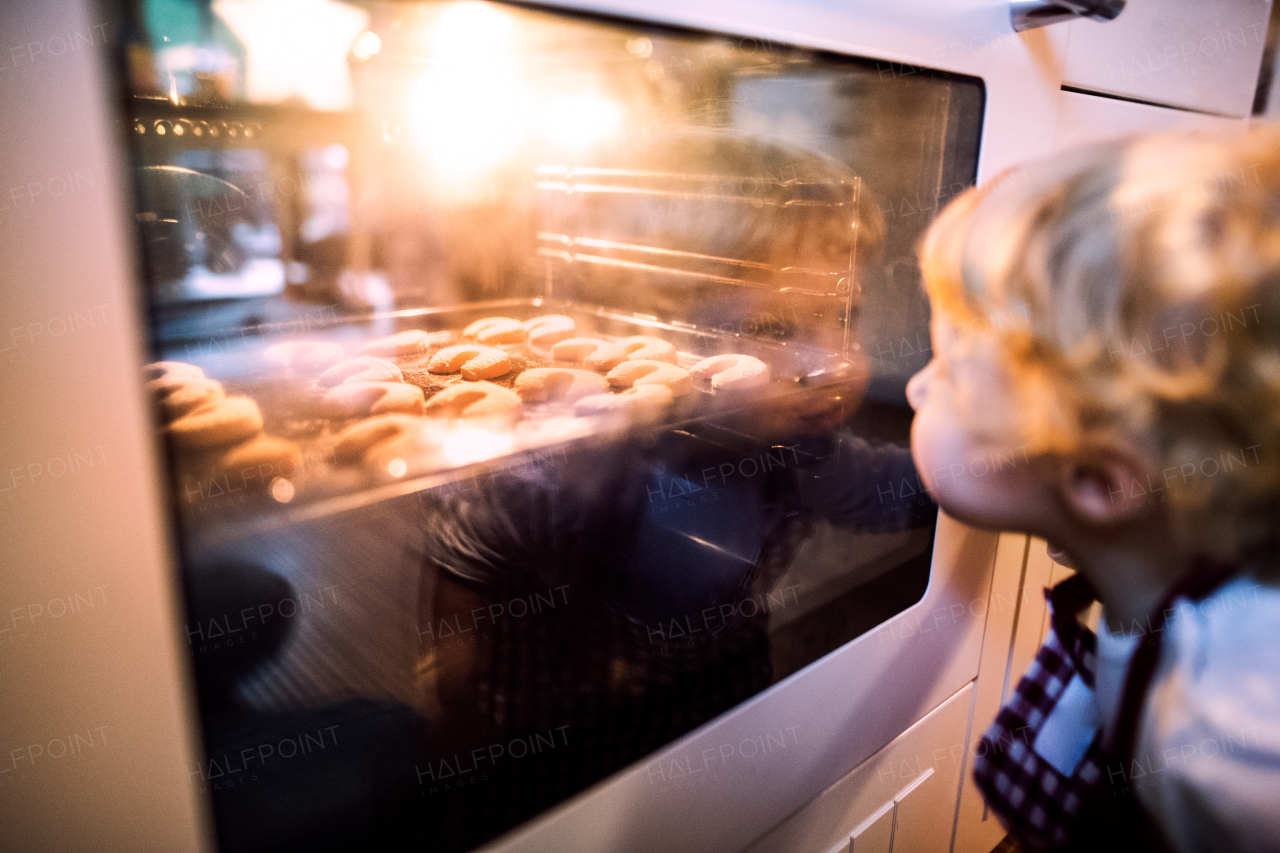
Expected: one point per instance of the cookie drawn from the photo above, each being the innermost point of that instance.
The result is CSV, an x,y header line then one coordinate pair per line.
x,y
473,360
732,372
261,459
368,438
577,350
635,348
644,372
496,330
542,384
410,343
640,402
549,329
167,369
475,400
365,368
359,399
304,356
226,421
180,395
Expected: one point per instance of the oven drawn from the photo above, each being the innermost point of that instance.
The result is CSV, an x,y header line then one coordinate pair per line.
x,y
355,588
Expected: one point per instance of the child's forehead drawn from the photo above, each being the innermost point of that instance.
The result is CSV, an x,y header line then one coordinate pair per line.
x,y
969,330
948,332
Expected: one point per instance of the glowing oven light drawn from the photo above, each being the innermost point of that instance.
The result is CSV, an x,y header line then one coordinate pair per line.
x,y
367,46
469,122
472,33
470,110
579,122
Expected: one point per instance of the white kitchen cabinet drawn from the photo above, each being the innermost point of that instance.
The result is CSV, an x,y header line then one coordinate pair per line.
x,y
1083,119
900,800
1192,54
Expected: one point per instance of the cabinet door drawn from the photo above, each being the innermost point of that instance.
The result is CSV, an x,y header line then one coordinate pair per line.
x,y
977,828
1184,53
901,799
1083,119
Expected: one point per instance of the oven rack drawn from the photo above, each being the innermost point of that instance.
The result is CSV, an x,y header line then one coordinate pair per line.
x,y
797,368
630,221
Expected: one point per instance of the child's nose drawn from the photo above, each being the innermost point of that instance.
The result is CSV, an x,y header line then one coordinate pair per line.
x,y
918,387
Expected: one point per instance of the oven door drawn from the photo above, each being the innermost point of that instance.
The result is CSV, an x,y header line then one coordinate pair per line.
x,y
824,718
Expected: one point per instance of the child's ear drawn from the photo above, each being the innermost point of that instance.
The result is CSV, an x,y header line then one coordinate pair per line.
x,y
1105,487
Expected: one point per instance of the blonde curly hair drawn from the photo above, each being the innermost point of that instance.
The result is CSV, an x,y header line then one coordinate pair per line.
x,y
1134,289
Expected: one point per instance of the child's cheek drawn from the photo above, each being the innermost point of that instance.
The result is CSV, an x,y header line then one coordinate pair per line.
x,y
973,481
944,455
928,441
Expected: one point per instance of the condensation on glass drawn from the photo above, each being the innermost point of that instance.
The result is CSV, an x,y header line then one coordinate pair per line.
x,y
428,628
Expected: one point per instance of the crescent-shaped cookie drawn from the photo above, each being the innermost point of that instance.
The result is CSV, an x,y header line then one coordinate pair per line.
x,y
371,436
356,399
167,369
732,372
543,384
643,372
262,459
181,395
475,361
635,348
475,400
304,356
577,350
365,368
643,402
401,344
496,330
549,329
648,348
218,424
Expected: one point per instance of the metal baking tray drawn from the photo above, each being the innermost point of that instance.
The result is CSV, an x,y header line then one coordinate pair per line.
x,y
321,487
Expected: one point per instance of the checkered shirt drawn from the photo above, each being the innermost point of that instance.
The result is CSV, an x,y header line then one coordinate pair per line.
x,y
1036,802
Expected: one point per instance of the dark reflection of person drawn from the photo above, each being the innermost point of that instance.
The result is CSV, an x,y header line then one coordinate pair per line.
x,y
588,609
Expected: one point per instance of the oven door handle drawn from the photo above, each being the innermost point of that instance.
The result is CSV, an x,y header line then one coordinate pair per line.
x,y
1029,14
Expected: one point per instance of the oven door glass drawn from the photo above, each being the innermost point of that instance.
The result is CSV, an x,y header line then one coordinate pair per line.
x,y
533,388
